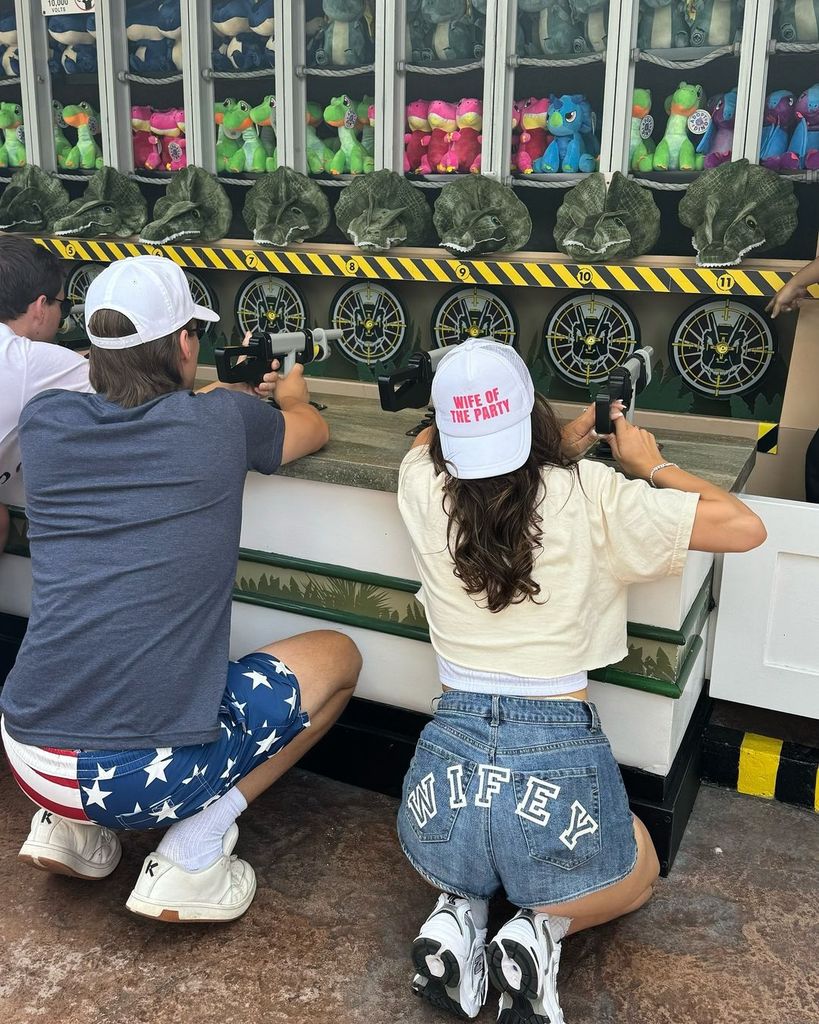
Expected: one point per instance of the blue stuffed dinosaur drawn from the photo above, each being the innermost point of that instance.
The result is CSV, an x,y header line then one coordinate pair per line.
x,y
79,60
149,51
169,23
244,49
70,30
574,147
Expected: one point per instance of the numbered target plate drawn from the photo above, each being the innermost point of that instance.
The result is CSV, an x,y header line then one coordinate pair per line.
x,y
722,347
203,295
588,335
268,303
472,312
76,288
373,322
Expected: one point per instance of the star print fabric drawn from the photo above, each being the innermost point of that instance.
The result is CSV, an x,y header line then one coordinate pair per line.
x,y
143,789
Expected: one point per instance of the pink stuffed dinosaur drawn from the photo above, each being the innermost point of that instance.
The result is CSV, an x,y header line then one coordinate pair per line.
x,y
534,138
419,129
464,153
516,115
441,117
170,125
147,147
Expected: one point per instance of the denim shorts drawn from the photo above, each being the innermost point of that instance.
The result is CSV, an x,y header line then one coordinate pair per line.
x,y
519,795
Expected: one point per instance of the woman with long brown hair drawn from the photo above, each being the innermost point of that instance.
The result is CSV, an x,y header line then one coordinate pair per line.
x,y
525,556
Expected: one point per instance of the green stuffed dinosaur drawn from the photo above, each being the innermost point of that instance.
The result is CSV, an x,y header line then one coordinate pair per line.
x,y
251,156
195,208
737,208
352,156
32,201
264,116
319,154
367,129
381,210
675,151
285,207
85,153
227,143
112,204
13,149
62,147
595,223
476,214
641,146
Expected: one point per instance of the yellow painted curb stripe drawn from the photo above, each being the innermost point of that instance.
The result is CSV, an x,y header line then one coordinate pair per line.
x,y
758,765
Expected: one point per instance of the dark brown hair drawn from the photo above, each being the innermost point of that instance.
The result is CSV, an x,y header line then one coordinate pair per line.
x,y
132,376
27,271
494,532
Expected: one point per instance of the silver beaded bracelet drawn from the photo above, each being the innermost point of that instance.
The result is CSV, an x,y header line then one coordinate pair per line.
x,y
662,465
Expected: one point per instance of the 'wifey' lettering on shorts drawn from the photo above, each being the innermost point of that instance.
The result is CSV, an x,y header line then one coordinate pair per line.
x,y
533,805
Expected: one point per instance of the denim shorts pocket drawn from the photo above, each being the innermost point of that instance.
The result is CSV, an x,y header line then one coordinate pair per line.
x,y
559,814
436,781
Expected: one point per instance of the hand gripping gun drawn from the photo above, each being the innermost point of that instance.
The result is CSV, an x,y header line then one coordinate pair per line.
x,y
624,384
251,362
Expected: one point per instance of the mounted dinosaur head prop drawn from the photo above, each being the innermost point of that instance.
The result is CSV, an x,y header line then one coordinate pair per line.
x,y
285,207
475,214
380,210
32,201
597,223
195,208
111,205
738,208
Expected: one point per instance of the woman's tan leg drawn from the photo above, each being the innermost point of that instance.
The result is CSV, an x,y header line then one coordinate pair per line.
x,y
326,664
623,897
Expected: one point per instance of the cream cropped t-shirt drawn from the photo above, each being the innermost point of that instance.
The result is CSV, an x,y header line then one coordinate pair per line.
x,y
601,532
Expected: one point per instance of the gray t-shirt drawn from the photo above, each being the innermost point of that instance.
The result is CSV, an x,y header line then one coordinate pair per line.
x,y
134,520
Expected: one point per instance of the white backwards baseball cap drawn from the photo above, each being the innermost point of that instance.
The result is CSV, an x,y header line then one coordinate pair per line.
x,y
483,397
152,291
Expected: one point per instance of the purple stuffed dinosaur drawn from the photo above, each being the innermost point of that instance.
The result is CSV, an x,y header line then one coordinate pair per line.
x,y
803,150
777,123
718,141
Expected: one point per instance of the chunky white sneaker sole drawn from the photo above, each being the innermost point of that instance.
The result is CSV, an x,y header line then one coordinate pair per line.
x,y
46,857
514,970
192,913
442,978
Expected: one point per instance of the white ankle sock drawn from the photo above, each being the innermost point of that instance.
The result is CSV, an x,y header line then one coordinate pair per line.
x,y
196,842
480,912
558,926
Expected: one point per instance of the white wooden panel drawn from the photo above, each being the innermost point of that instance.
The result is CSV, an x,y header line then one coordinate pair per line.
x,y
766,651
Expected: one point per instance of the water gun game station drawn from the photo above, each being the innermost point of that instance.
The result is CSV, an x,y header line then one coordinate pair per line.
x,y
616,188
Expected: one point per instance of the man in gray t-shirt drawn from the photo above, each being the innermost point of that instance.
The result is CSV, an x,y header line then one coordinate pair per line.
x,y
122,710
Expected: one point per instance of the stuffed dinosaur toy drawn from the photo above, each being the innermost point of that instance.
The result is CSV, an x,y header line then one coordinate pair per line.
x,y
641,145
476,214
381,210
464,153
661,25
8,29
62,147
9,54
592,18
351,158
574,147
549,28
70,30
803,149
79,60
32,201
85,153
367,129
10,61
419,34
596,223
419,129
13,147
149,51
319,154
441,117
777,122
152,58
286,207
738,208
534,136
195,208
675,151
713,22
516,115
796,21
347,38
251,155
169,126
169,23
263,116
147,147
454,33
718,140
112,205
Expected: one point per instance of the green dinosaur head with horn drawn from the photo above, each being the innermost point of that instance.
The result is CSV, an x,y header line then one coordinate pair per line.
x,y
380,210
195,208
32,201
284,207
111,205
476,214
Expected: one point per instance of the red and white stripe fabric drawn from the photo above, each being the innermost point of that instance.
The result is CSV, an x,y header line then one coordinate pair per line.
x,y
46,775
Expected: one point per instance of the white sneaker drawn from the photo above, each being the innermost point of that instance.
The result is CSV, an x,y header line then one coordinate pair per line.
x,y
523,963
221,892
67,847
450,957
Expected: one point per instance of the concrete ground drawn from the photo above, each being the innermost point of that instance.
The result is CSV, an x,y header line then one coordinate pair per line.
x,y
729,938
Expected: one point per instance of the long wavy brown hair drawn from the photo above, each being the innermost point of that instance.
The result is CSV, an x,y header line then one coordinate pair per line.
x,y
494,533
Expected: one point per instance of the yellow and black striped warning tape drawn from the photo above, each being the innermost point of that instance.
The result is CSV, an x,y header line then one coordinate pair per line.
x,y
767,435
527,273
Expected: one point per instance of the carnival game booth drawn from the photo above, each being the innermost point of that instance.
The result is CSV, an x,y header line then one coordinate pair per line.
x,y
576,178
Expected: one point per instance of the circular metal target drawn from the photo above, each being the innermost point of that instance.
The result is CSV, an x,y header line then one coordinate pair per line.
x,y
267,303
588,335
372,319
721,347
203,295
472,312
76,288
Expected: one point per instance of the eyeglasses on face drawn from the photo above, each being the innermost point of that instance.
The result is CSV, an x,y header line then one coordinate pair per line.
x,y
66,305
